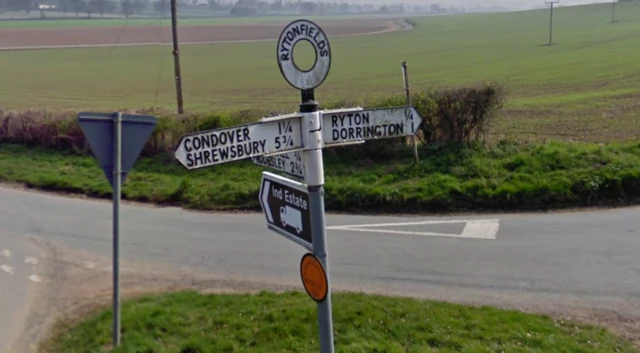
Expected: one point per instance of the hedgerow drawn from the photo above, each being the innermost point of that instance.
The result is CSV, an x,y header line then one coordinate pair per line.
x,y
453,115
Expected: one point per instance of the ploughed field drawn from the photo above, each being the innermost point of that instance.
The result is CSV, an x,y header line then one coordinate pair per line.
x,y
46,37
583,88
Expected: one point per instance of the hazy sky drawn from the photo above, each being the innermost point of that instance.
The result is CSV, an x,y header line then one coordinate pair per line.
x,y
507,3
528,2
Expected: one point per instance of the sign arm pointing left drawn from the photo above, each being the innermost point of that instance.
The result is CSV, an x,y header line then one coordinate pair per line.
x,y
263,200
207,148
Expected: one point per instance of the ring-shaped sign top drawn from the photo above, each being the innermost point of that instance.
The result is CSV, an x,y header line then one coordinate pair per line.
x,y
304,30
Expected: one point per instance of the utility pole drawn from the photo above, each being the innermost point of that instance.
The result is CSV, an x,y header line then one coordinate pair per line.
x,y
613,12
176,54
551,20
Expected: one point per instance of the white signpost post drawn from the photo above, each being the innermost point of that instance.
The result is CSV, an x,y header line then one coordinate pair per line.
x,y
293,144
291,163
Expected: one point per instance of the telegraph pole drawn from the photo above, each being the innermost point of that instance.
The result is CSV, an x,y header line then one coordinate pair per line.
x,y
551,20
176,54
613,12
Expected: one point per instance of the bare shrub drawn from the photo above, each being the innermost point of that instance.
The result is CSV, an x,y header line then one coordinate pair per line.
x,y
461,115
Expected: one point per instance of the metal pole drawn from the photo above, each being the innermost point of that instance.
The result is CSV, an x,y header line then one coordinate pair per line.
x,y
117,178
407,90
176,54
314,178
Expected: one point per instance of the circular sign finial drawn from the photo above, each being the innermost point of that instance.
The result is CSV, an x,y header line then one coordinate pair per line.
x,y
314,277
294,32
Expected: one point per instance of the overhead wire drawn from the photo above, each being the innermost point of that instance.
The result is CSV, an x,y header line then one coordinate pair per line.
x,y
113,46
161,64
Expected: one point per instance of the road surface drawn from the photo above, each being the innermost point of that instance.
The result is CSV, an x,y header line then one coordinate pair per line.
x,y
585,259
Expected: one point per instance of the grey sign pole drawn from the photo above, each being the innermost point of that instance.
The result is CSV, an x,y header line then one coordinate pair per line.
x,y
314,178
117,181
116,140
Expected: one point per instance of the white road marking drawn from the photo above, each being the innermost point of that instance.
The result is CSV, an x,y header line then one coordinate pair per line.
x,y
30,260
483,228
391,231
34,278
7,269
478,229
396,224
5,253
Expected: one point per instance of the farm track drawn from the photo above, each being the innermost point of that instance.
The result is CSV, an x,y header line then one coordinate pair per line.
x,y
261,33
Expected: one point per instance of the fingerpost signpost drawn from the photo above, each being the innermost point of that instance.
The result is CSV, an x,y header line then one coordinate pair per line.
x,y
292,144
306,82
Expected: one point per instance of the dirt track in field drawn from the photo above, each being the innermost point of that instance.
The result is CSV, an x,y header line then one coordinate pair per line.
x,y
23,38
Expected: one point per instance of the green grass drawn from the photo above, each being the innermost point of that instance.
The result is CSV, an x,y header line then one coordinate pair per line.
x,y
583,88
266,322
503,177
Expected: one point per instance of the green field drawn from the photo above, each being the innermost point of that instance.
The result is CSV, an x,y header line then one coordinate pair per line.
x,y
267,322
582,88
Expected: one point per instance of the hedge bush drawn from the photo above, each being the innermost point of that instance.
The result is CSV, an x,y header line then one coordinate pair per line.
x,y
459,114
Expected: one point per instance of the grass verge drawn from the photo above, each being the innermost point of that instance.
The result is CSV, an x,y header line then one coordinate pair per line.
x,y
448,178
190,322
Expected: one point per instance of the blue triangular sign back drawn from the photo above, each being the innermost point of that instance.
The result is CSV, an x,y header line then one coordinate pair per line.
x,y
99,130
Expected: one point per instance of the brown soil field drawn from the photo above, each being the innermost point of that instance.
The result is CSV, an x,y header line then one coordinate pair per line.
x,y
80,36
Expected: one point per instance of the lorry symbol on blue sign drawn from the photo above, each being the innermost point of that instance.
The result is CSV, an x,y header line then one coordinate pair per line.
x,y
292,217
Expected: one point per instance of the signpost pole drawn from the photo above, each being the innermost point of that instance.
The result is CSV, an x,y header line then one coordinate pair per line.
x,y
314,178
405,76
117,179
116,140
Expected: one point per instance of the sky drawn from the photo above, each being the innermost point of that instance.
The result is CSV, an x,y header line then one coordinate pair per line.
x,y
506,3
524,2
510,2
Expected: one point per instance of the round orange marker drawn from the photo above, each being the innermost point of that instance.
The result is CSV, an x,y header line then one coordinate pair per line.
x,y
314,277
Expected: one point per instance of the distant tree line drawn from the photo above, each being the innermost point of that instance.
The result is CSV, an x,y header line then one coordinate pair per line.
x,y
76,7
161,8
260,7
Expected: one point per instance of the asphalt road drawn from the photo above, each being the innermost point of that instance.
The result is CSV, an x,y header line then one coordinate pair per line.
x,y
19,261
583,259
